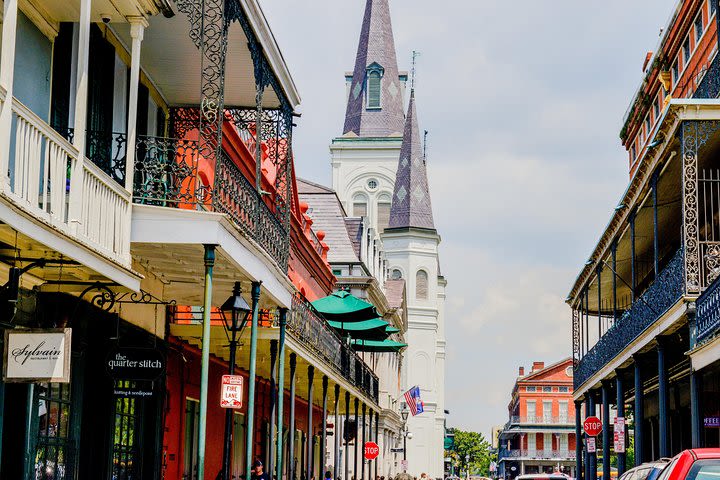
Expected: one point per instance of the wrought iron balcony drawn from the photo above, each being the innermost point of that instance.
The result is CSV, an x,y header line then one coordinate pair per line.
x,y
308,328
541,420
708,312
536,454
662,294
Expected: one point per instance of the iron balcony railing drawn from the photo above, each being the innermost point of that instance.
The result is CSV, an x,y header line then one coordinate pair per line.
x,y
308,328
537,454
541,420
708,312
662,294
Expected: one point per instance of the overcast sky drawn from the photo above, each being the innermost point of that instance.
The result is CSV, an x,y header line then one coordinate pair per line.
x,y
524,102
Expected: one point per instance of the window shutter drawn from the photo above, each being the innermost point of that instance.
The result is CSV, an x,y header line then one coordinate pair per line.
x,y
373,91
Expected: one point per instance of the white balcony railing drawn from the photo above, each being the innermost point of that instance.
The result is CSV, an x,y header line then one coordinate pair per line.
x,y
541,420
538,454
92,209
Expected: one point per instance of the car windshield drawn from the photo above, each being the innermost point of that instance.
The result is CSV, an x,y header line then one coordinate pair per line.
x,y
666,471
704,470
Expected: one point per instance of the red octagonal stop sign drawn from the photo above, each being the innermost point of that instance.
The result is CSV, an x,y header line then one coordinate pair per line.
x,y
592,426
371,450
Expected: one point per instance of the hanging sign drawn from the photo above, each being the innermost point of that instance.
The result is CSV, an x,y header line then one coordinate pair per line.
x,y
33,356
592,426
619,434
590,441
231,395
132,363
371,450
712,422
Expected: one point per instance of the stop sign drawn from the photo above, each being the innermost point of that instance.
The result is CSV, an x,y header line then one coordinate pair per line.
x,y
371,450
592,426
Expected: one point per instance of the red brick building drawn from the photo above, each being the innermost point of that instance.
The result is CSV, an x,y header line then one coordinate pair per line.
x,y
539,434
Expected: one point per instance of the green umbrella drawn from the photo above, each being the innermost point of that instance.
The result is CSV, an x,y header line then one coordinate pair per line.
x,y
365,329
378,345
391,330
343,307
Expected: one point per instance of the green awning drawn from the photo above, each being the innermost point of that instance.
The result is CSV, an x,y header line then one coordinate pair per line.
x,y
377,345
391,330
374,324
344,307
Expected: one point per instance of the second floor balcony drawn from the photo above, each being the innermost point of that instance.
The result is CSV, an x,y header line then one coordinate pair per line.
x,y
541,420
535,454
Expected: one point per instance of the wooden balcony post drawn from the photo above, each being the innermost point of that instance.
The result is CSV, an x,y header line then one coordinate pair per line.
x,y
205,356
281,394
291,433
7,67
323,444
336,407
137,31
310,433
347,442
249,430
273,404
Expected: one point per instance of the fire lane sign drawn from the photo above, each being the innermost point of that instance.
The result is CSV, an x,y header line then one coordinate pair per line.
x,y
592,426
232,391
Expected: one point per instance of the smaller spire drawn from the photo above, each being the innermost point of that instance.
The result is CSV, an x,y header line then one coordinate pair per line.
x,y
411,206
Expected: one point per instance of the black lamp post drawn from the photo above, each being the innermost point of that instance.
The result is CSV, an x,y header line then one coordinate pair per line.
x,y
404,413
239,310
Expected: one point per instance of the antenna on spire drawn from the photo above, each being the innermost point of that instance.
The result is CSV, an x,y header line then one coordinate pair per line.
x,y
415,54
425,135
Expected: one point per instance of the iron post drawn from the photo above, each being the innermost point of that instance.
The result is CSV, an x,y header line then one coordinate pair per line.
x,y
281,394
205,358
255,294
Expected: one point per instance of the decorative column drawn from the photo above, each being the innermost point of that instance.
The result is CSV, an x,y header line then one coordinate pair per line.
x,y
205,355
606,428
578,440
309,443
345,436
7,67
690,145
364,440
137,31
639,414
281,394
663,419
323,444
291,433
249,429
273,402
357,440
619,387
336,464
377,438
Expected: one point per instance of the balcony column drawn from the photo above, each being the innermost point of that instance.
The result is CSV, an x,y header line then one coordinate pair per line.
x,y
273,402
578,440
638,414
599,300
614,279
662,399
281,395
656,239
7,67
323,444
137,31
691,142
364,439
377,440
80,125
606,428
585,437
695,385
345,436
633,279
587,319
592,457
205,355
336,439
357,440
620,413
249,429
291,434
309,444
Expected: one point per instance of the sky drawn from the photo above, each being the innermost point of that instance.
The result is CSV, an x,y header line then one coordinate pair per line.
x,y
524,101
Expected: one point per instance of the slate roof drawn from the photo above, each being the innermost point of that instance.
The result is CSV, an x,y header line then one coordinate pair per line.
x,y
394,289
411,206
328,215
376,45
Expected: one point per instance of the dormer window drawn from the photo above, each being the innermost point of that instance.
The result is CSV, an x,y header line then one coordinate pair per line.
x,y
374,86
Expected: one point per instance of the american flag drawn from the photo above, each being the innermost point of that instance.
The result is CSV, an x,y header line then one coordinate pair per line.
x,y
412,398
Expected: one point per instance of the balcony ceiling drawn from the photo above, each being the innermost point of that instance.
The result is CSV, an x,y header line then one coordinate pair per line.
x,y
173,63
116,10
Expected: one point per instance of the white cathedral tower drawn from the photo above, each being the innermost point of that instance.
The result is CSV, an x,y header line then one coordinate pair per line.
x,y
379,172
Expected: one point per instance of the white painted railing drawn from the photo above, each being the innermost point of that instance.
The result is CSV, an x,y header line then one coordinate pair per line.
x,y
41,165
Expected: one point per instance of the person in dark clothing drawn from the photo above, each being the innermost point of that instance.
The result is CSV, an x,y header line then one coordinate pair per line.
x,y
258,471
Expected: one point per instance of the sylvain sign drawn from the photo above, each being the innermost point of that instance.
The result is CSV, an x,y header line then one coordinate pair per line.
x,y
34,356
129,363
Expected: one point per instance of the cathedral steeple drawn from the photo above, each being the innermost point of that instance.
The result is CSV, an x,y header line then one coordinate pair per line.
x,y
411,205
375,100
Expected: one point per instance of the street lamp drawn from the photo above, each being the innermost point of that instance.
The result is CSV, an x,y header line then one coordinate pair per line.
x,y
406,434
239,311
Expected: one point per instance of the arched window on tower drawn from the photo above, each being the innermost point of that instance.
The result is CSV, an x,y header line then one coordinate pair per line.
x,y
421,285
359,206
396,274
373,88
383,208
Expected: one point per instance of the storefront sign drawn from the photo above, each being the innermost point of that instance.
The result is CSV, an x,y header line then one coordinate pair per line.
x,y
128,363
133,389
590,444
232,391
33,356
712,422
619,434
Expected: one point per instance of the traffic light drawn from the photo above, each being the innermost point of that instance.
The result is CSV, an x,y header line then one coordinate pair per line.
x,y
349,430
329,429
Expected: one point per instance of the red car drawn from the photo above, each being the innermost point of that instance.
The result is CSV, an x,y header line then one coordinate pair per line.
x,y
697,464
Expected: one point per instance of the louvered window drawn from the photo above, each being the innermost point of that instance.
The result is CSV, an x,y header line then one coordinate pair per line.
x,y
373,89
383,215
421,285
359,209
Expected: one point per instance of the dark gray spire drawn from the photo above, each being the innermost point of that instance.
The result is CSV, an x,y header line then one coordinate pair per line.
x,y
411,206
376,53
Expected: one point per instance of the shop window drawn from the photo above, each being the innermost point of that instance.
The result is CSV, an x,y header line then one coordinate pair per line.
x,y
53,446
192,421
127,435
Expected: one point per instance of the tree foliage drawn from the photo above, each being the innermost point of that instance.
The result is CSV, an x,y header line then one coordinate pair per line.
x,y
470,451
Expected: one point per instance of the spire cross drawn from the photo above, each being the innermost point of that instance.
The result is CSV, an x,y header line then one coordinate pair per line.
x,y
415,54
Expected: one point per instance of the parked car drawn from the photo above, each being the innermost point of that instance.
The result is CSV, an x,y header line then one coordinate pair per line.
x,y
543,476
646,471
696,464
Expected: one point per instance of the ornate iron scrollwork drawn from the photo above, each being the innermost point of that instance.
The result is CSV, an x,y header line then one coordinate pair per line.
x,y
712,262
104,298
